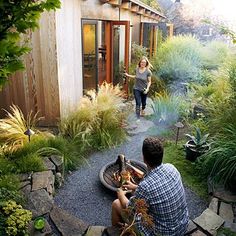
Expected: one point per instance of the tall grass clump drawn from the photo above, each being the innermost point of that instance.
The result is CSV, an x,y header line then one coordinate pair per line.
x,y
220,162
13,127
168,108
98,120
179,58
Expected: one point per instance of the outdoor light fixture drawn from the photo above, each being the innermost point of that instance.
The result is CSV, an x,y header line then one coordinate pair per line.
x,y
179,125
29,132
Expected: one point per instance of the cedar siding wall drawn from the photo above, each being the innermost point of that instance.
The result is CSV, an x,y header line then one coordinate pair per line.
x,y
68,30
36,88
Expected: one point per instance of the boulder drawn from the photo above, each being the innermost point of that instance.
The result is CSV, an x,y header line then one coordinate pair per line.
x,y
49,165
47,230
39,202
58,162
95,231
43,180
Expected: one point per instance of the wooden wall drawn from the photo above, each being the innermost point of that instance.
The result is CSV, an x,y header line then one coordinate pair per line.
x,y
69,54
36,88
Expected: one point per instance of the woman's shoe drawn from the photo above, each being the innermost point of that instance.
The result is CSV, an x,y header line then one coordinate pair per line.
x,y
142,113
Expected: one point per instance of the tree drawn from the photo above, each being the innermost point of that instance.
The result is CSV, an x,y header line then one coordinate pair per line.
x,y
18,16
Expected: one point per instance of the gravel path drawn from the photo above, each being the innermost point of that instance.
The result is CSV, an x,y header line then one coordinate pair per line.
x,y
84,196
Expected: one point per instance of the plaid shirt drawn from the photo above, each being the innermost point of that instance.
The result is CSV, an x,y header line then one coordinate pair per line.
x,y
163,191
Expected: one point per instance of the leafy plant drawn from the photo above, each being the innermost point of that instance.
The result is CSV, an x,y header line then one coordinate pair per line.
x,y
16,18
139,209
198,141
220,161
17,218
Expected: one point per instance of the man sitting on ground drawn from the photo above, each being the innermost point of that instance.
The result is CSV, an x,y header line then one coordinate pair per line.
x,y
163,191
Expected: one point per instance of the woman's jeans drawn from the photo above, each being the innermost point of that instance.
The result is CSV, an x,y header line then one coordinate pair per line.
x,y
140,98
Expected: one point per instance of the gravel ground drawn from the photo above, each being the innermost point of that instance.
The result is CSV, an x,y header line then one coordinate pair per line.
x,y
84,196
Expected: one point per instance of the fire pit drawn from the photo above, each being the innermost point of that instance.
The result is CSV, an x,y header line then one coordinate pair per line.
x,y
106,174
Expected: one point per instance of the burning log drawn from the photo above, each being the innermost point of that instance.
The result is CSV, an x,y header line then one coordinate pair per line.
x,y
127,172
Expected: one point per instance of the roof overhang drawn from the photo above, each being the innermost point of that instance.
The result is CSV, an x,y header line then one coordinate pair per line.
x,y
137,7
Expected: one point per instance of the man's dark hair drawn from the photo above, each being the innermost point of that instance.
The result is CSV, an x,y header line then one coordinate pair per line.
x,y
152,151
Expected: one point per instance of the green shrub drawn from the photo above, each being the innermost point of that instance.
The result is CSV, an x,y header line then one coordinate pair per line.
x,y
220,161
168,108
30,162
215,53
10,182
17,219
179,58
6,194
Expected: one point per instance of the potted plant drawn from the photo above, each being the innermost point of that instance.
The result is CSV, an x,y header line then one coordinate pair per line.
x,y
196,145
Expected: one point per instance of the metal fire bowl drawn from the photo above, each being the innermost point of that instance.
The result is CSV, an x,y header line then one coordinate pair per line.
x,y
107,171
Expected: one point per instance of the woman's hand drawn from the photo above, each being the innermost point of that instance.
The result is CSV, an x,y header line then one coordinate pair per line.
x,y
130,186
146,90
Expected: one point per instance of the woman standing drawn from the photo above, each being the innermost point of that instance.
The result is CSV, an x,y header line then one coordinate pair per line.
x,y
142,84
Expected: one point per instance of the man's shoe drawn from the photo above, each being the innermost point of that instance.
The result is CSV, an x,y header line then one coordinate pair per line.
x,y
142,113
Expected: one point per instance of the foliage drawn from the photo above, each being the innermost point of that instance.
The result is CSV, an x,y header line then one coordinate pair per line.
x,y
16,18
179,58
10,182
137,212
98,120
13,127
223,30
152,3
215,53
220,161
168,108
198,141
6,194
189,171
17,218
137,52
30,162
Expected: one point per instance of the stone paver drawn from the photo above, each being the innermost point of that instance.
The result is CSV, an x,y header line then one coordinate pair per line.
x,y
198,233
95,231
209,221
214,204
226,212
67,224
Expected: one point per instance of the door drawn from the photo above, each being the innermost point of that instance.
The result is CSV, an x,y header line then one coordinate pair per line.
x,y
90,54
120,38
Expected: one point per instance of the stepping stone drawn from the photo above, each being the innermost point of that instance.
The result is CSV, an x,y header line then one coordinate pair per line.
x,y
226,212
231,226
214,204
95,231
67,224
209,221
191,227
198,233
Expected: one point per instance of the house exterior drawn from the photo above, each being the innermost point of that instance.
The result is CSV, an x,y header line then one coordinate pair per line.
x,y
75,49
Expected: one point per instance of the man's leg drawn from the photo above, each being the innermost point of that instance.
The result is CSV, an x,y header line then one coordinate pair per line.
x,y
116,212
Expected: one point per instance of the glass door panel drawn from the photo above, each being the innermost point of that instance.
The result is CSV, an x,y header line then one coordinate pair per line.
x,y
120,51
89,55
